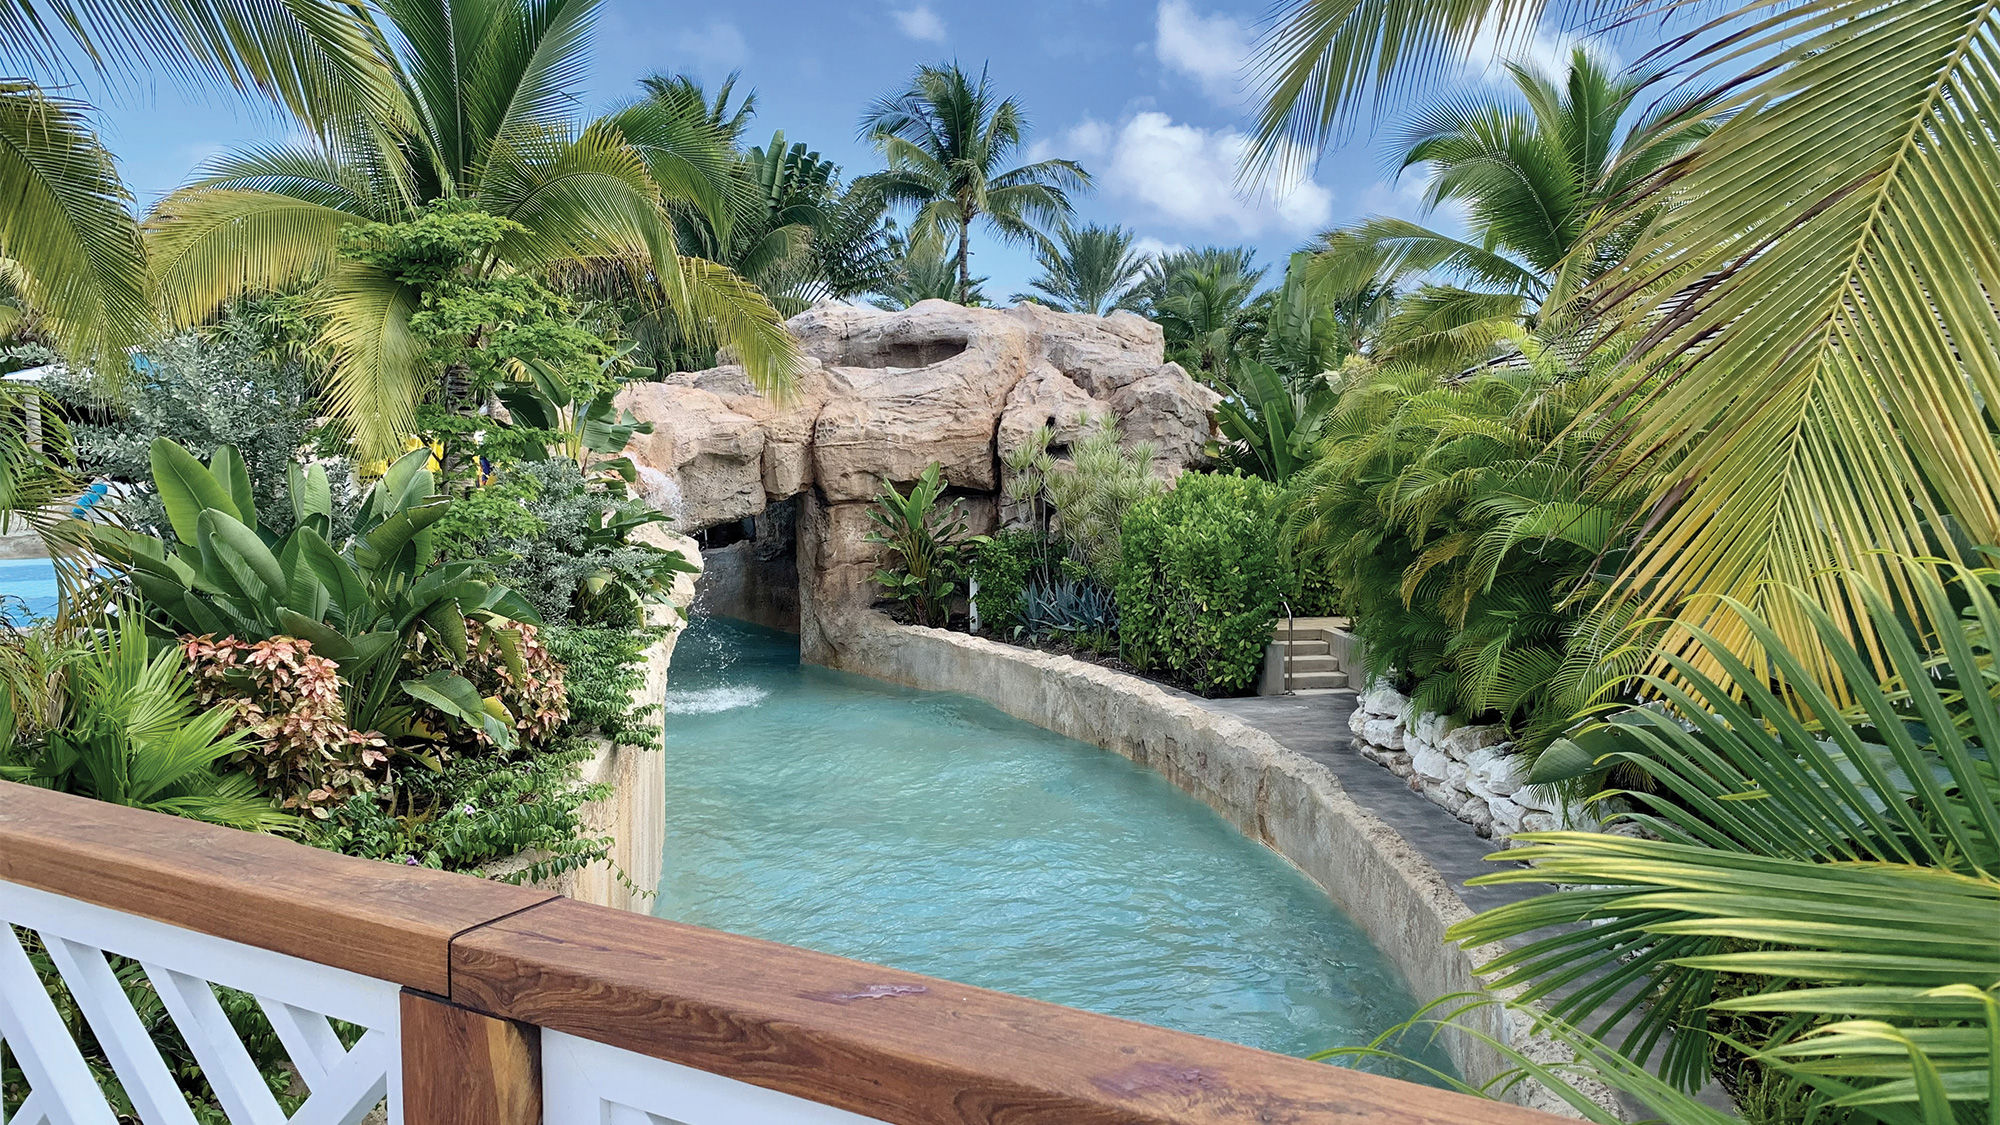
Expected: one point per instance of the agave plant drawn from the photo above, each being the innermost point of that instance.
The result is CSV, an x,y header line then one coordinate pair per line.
x,y
365,605
1070,608
1844,858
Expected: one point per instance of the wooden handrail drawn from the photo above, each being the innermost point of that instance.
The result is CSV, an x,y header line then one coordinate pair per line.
x,y
903,1048
382,920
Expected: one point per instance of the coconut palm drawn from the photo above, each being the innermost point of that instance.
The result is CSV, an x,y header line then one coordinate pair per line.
x,y
68,244
1841,858
946,139
1830,372
487,87
918,270
721,111
1201,300
1089,272
1534,175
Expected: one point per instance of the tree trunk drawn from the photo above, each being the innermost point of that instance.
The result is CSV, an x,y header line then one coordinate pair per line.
x,y
965,255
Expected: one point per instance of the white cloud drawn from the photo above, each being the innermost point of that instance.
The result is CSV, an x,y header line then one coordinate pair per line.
x,y
1212,50
1542,49
920,23
1088,139
1186,175
1149,248
719,42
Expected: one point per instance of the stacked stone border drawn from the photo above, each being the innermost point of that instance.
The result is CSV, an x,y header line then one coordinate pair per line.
x,y
1470,771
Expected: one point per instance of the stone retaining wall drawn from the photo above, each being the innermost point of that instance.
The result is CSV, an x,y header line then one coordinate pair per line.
x,y
1469,771
635,814
1291,804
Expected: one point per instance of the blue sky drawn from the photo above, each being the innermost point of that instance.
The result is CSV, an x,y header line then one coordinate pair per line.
x,y
1145,93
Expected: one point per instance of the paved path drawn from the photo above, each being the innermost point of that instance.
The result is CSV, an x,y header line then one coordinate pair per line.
x,y
1316,726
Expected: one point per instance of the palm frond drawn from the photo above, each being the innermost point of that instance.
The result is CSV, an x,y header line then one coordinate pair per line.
x,y
67,226
376,378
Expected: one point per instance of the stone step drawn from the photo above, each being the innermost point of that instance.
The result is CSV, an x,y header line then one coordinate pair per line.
x,y
1318,681
1321,663
1313,647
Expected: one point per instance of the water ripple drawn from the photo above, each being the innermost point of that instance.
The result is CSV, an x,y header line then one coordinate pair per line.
x,y
931,832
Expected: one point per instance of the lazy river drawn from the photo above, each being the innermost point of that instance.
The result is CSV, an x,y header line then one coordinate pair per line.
x,y
933,833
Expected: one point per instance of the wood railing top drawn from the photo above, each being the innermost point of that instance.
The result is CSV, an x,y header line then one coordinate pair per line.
x,y
381,920
908,1049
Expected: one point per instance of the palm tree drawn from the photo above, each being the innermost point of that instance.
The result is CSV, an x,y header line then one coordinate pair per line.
x,y
1817,299
946,139
68,244
486,87
919,271
684,93
1201,299
1090,272
1535,177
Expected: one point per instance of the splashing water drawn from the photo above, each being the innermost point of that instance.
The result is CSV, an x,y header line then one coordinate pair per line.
x,y
712,701
930,832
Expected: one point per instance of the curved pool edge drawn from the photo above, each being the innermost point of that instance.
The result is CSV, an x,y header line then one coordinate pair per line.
x,y
1272,794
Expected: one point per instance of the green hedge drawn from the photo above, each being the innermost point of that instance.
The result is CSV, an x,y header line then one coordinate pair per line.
x,y
1199,586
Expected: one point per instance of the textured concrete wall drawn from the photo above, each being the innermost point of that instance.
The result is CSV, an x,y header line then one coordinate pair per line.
x,y
1291,804
635,814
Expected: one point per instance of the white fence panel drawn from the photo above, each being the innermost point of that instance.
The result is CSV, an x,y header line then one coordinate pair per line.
x,y
588,1083
301,998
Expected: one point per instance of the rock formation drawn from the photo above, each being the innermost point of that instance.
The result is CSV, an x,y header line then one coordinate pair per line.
x,y
880,396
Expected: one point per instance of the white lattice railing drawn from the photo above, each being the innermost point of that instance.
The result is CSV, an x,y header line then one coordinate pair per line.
x,y
412,997
184,968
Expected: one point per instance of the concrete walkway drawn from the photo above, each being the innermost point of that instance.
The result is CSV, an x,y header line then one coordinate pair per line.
x,y
1316,725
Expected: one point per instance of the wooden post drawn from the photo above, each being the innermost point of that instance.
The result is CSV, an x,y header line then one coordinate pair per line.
x,y
462,1067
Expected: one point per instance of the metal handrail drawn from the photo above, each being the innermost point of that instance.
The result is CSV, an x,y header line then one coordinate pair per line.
x,y
1285,661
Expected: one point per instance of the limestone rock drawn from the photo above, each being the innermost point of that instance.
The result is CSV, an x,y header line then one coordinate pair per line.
x,y
1047,397
1460,743
1382,699
886,426
1430,764
1431,727
1386,733
1491,773
1506,815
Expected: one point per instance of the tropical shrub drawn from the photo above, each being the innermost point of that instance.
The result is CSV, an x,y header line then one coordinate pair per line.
x,y
1844,858
926,542
199,390
96,713
1201,580
479,808
602,673
1457,525
1270,428
370,605
564,540
510,666
1090,495
1002,566
287,701
474,810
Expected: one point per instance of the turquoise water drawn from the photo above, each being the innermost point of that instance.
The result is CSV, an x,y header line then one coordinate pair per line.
x,y
931,832
33,582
